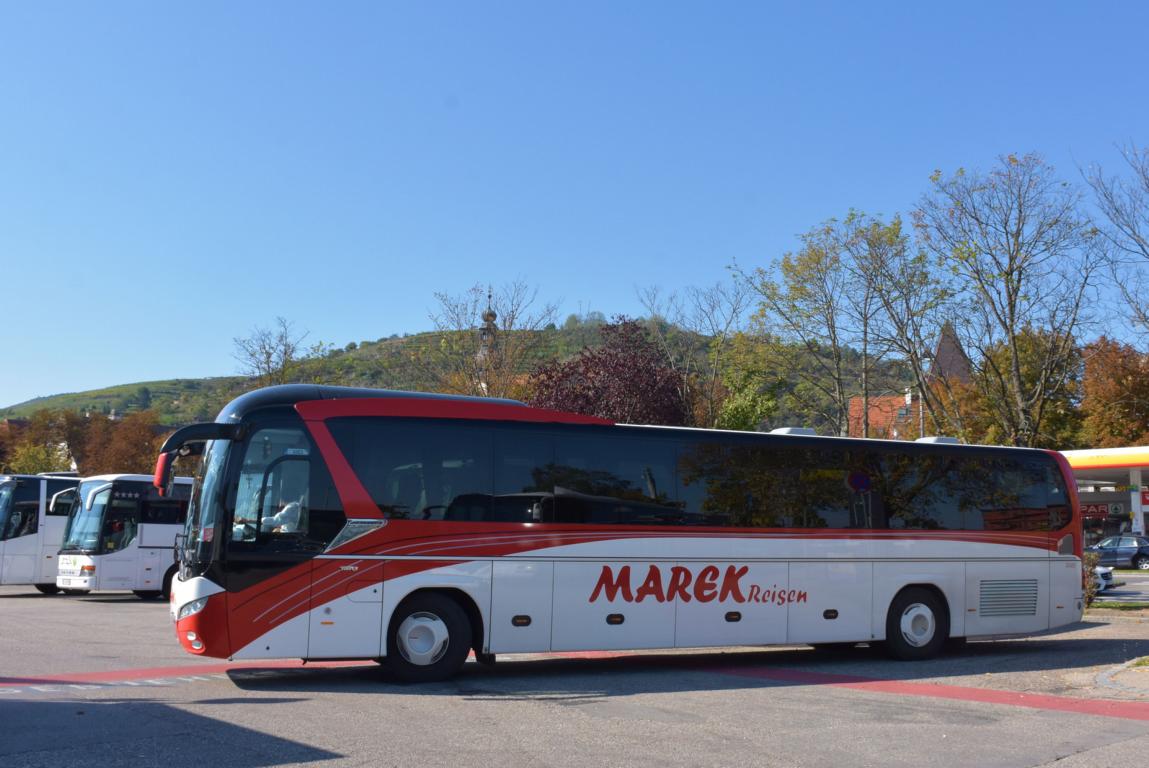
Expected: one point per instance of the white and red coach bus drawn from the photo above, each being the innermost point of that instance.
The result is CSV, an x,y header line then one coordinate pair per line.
x,y
335,523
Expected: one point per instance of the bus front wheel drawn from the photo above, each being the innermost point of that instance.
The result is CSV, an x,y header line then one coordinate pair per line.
x,y
917,625
429,639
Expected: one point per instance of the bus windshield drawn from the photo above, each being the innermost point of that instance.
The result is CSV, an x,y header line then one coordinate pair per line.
x,y
87,516
204,509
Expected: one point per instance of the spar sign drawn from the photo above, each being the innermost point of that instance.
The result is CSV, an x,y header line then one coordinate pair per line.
x,y
661,584
1100,511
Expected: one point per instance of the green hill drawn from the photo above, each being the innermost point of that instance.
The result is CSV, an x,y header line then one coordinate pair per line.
x,y
408,363
389,363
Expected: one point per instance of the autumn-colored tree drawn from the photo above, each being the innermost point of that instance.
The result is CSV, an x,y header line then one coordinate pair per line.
x,y
1023,256
129,445
1115,399
751,385
987,405
97,436
42,445
626,379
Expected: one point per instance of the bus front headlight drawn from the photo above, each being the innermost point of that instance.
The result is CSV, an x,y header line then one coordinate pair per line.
x,y
192,608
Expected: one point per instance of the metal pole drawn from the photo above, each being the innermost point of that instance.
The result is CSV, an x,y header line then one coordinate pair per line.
x,y
1137,517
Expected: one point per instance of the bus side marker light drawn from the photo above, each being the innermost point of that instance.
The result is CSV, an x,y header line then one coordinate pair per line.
x,y
733,616
521,620
830,614
614,619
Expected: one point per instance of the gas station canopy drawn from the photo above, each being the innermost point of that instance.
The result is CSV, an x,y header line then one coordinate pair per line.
x,y
1109,482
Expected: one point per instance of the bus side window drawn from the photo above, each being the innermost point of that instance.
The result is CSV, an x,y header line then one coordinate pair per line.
x,y
162,512
521,458
25,519
614,479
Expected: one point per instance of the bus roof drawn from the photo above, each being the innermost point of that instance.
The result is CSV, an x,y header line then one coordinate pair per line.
x,y
41,476
289,394
111,478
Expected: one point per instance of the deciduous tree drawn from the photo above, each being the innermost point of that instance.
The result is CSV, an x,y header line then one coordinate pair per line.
x,y
485,340
1023,256
1124,202
271,355
626,379
1115,395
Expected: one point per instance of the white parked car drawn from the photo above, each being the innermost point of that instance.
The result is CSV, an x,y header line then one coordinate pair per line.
x,y
1103,577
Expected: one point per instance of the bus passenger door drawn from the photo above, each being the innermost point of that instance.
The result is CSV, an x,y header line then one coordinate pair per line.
x,y
63,492
119,540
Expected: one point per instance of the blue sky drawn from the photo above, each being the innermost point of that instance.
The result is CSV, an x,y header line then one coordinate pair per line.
x,y
173,175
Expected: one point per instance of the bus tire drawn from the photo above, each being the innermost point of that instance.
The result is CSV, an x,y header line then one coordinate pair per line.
x,y
917,625
76,592
428,639
147,594
47,589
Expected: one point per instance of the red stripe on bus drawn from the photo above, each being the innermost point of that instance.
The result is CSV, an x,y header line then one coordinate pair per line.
x,y
357,502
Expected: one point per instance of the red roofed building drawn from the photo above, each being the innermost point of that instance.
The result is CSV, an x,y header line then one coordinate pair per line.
x,y
898,417
892,417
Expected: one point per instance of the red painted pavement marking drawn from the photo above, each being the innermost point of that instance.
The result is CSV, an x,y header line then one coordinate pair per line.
x,y
1126,710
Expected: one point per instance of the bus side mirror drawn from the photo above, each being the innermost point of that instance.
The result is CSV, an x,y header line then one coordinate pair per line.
x,y
163,477
66,496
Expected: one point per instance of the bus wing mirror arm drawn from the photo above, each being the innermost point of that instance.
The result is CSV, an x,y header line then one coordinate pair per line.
x,y
188,441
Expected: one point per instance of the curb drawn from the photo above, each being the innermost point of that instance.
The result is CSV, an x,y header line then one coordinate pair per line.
x,y
1106,679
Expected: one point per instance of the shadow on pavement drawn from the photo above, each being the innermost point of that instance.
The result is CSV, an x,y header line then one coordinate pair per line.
x,y
643,672
136,732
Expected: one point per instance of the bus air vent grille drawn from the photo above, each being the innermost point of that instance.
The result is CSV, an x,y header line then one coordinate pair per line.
x,y
1008,597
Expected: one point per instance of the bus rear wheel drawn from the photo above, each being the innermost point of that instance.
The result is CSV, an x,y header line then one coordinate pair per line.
x,y
917,625
147,594
47,589
429,639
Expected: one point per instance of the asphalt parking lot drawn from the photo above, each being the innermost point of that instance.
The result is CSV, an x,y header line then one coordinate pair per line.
x,y
99,680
